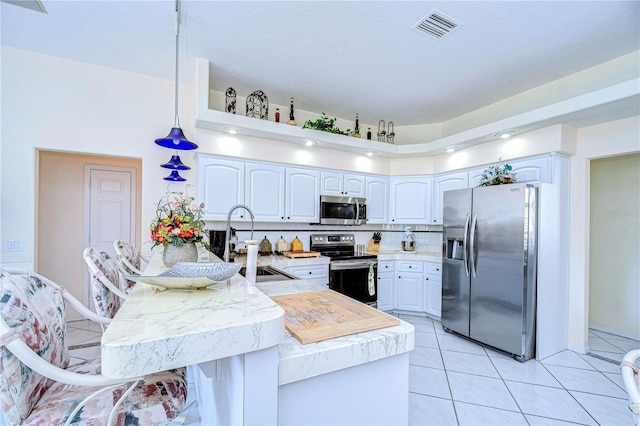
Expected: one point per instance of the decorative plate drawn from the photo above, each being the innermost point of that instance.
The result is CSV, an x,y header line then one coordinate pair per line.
x,y
192,275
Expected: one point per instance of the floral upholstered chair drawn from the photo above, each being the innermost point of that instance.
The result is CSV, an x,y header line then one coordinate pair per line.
x,y
106,290
37,386
130,261
129,257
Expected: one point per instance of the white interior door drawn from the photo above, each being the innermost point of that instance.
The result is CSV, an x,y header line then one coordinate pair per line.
x,y
110,209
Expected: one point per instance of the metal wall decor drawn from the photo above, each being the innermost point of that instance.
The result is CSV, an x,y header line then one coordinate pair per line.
x,y
381,131
230,100
258,105
390,132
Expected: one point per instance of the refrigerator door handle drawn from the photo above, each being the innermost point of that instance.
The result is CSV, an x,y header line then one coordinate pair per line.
x,y
464,244
472,240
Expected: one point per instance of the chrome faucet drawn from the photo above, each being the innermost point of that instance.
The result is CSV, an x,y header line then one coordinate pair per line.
x,y
228,231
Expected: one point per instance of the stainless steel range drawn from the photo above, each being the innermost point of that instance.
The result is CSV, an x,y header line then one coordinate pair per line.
x,y
353,275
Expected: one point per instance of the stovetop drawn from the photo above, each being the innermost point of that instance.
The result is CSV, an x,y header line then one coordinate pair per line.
x,y
337,246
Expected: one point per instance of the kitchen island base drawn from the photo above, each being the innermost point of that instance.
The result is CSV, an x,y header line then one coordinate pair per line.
x,y
375,393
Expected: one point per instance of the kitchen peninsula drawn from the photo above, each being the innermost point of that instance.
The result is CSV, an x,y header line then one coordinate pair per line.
x,y
248,369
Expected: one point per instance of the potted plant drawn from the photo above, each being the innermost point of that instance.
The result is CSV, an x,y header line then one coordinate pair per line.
x,y
498,174
178,225
324,124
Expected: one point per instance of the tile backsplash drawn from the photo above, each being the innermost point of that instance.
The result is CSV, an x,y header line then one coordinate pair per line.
x,y
425,235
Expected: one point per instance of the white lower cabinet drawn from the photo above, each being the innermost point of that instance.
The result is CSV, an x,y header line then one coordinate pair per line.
x,y
409,286
433,289
386,286
318,274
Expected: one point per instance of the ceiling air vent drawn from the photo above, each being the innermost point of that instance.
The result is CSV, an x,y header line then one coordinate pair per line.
x,y
436,25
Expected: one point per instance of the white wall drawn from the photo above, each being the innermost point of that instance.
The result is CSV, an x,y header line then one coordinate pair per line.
x,y
602,140
57,104
614,270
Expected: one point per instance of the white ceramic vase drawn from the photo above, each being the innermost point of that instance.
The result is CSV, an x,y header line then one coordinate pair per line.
x,y
173,254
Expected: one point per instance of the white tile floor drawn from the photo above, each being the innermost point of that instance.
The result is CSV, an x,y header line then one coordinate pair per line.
x,y
610,346
456,382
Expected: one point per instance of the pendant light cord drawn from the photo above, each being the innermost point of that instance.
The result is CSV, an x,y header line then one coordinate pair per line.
x,y
177,123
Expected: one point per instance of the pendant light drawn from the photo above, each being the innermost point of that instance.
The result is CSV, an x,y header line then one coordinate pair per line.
x,y
176,138
175,177
175,163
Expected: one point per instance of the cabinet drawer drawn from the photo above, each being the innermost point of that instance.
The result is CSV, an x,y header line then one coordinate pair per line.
x,y
310,272
434,268
388,266
409,266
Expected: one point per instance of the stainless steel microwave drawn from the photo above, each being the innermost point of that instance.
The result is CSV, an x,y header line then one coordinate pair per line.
x,y
342,210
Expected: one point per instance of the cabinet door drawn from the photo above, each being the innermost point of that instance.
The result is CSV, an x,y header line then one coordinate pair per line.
x,y
441,184
331,183
386,290
220,187
377,199
302,195
264,191
433,294
411,200
410,291
475,176
531,170
354,185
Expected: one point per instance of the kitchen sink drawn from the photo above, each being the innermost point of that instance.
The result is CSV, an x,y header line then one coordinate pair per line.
x,y
269,273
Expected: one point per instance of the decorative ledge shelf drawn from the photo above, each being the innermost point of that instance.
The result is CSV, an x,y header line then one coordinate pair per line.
x,y
616,98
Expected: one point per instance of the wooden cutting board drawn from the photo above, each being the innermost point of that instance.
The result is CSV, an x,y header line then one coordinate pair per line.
x,y
294,254
321,315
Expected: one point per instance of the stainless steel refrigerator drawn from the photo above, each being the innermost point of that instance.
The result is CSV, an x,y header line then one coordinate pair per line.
x,y
489,266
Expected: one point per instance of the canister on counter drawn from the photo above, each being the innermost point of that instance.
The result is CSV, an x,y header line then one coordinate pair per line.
x,y
281,246
265,247
296,244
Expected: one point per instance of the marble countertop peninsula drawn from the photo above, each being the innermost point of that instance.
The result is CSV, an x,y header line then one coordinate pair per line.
x,y
298,361
159,330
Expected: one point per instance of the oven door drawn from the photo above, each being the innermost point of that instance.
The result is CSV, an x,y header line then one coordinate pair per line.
x,y
351,278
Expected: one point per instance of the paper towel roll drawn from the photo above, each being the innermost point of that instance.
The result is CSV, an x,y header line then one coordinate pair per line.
x,y
252,260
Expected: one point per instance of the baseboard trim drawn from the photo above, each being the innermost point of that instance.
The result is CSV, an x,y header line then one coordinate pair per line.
x,y
579,349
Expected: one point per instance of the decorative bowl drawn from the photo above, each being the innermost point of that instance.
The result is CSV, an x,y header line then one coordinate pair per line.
x,y
192,275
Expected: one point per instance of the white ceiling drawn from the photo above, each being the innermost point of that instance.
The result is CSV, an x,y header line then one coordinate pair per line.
x,y
341,57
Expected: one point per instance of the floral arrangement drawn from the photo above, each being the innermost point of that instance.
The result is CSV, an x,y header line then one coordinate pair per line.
x,y
498,174
178,220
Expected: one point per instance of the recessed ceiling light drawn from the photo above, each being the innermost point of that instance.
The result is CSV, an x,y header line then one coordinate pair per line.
x,y
309,143
451,149
505,135
369,153
231,130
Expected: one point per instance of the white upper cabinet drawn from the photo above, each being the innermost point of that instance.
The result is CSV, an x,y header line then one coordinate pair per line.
x,y
336,183
377,199
410,200
442,183
265,191
474,176
221,186
532,169
302,195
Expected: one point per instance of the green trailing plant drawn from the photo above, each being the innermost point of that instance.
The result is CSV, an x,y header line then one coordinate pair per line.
x,y
325,124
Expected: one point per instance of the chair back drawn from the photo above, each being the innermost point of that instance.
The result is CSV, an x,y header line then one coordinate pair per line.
x,y
129,256
32,307
103,268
